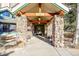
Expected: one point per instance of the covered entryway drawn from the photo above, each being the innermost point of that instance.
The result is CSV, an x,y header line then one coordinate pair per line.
x,y
45,19
39,29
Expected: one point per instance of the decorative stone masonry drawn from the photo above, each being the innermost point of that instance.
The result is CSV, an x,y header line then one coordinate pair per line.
x,y
49,29
21,28
59,31
46,30
29,29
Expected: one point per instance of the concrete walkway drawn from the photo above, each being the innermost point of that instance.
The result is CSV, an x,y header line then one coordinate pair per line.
x,y
37,47
74,51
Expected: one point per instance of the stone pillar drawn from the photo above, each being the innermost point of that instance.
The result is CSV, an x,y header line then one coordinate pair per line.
x,y
29,27
49,29
21,28
59,31
53,31
46,30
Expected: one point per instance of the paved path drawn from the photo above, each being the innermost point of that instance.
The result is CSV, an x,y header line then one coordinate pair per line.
x,y
37,47
74,52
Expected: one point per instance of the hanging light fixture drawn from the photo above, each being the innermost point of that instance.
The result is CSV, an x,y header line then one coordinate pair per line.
x,y
39,12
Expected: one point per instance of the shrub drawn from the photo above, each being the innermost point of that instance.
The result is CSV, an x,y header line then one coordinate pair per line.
x,y
68,34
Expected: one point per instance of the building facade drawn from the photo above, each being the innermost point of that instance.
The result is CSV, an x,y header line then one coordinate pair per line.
x,y
44,19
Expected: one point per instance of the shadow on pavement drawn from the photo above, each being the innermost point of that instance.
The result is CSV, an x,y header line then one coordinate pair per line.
x,y
43,39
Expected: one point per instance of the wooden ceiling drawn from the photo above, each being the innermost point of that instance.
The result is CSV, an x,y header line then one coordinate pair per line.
x,y
45,8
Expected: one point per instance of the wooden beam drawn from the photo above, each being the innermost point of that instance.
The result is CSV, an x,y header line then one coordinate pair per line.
x,y
39,5
61,13
37,14
39,21
33,14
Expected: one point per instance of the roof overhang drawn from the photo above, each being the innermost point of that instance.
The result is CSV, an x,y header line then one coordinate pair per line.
x,y
20,6
5,8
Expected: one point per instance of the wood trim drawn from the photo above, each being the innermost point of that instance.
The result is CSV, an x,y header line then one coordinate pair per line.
x,y
61,13
39,21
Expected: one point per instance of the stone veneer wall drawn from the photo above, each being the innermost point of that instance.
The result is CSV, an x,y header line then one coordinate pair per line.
x,y
21,27
46,30
59,31
49,29
55,27
29,29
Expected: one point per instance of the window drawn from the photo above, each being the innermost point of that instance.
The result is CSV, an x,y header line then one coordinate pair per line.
x,y
7,27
